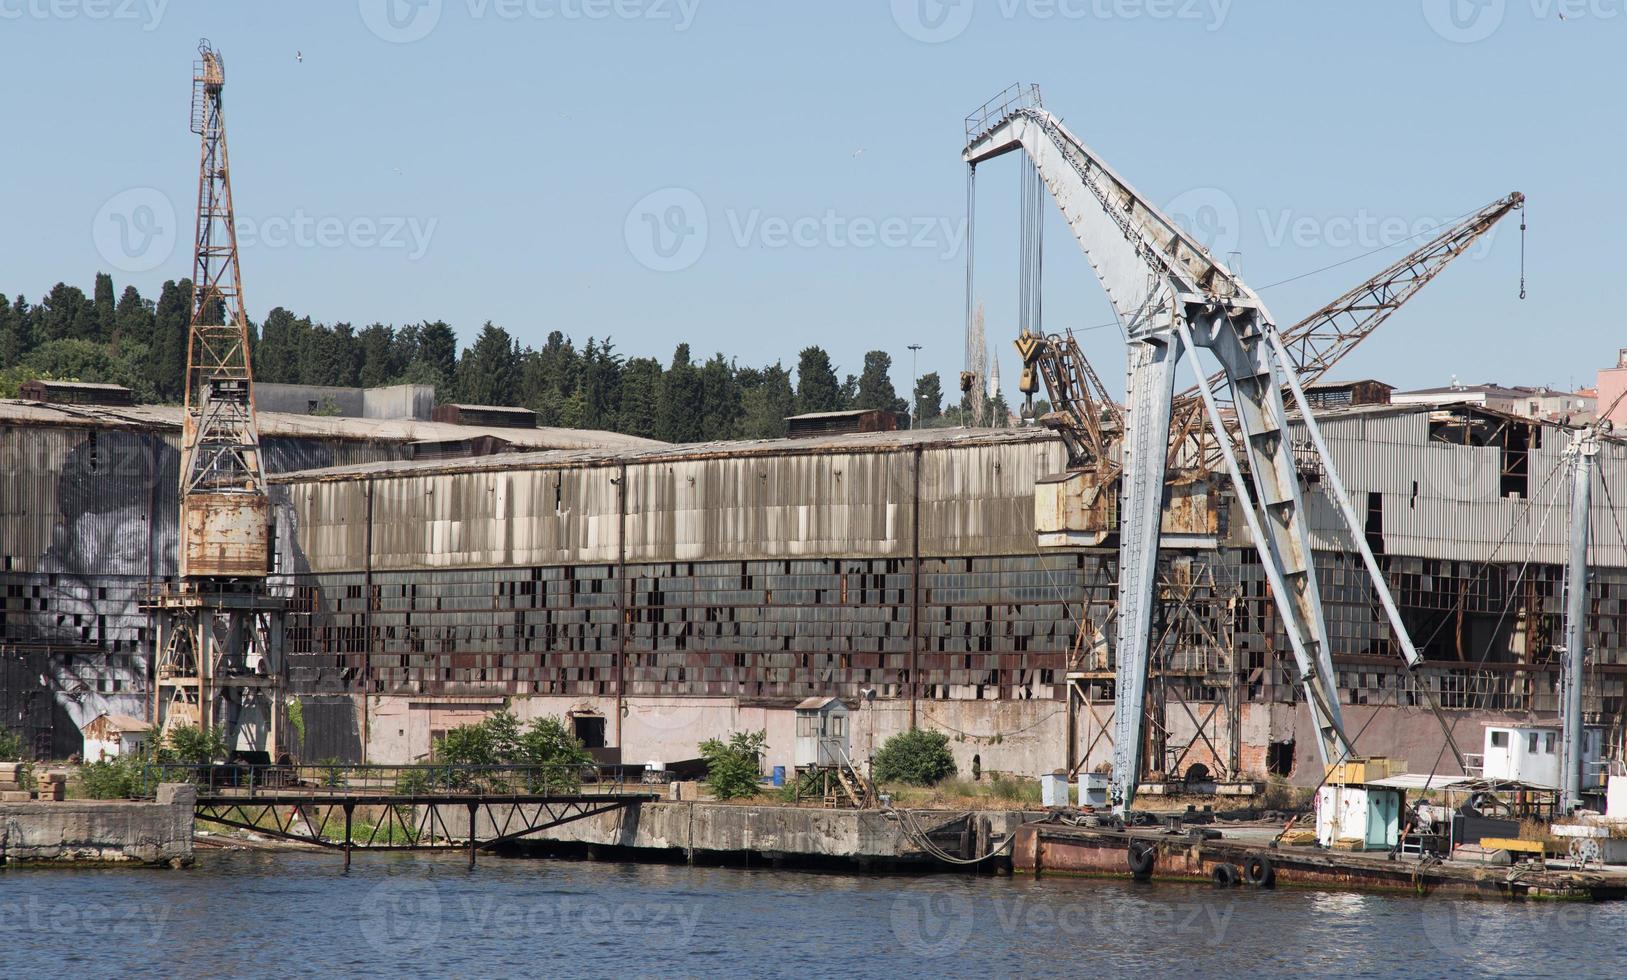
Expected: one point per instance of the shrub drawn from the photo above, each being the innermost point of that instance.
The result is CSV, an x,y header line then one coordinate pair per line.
x,y
119,778
918,757
555,755
732,767
191,745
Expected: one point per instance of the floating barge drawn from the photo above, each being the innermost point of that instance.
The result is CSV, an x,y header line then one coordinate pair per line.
x,y
1059,848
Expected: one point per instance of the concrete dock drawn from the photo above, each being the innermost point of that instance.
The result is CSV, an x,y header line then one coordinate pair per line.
x,y
79,832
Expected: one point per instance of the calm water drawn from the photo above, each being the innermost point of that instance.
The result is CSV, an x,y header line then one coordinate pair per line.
x,y
298,914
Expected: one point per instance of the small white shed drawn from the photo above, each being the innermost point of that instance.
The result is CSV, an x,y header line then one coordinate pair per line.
x,y
1531,754
822,733
1363,812
109,735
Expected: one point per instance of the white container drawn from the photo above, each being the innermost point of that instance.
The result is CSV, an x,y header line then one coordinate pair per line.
x,y
1093,789
1053,789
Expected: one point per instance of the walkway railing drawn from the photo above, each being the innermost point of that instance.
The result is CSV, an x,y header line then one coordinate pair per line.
x,y
400,783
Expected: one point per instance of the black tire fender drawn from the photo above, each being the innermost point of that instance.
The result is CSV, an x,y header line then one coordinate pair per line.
x,y
1142,856
1224,875
1258,871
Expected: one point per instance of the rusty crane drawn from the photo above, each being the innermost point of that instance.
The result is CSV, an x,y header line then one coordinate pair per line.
x,y
218,632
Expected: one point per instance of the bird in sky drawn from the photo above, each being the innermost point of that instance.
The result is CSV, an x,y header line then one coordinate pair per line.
x,y
299,56
858,153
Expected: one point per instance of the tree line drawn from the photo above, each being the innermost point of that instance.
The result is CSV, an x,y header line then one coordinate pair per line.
x,y
141,343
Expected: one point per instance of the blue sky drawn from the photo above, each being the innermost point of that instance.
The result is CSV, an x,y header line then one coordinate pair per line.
x,y
752,177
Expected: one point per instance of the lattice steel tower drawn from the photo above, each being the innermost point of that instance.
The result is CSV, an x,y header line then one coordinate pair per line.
x,y
219,632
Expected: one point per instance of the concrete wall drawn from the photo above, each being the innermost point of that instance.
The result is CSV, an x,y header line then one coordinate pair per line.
x,y
765,830
101,831
394,402
1026,737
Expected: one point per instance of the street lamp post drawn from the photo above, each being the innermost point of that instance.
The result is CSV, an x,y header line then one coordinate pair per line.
x,y
915,385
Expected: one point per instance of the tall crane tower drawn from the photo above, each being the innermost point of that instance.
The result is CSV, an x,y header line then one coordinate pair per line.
x,y
219,633
1174,299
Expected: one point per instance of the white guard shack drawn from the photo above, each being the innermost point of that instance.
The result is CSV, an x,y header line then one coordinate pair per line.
x,y
1353,814
822,733
1530,754
110,735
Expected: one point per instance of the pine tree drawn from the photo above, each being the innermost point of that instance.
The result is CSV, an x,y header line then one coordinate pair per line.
x,y
928,402
767,400
102,307
817,387
720,408
640,395
876,385
678,408
10,341
66,314
487,374
378,356
172,319
132,320
437,354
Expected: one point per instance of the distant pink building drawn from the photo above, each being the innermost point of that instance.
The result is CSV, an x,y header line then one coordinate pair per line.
x,y
1612,382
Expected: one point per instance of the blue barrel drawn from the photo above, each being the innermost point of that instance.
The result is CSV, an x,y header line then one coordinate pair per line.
x,y
779,775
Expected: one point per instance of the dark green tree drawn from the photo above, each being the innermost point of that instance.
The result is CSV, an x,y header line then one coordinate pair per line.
x,y
876,384
640,396
378,353
171,320
11,340
103,306
132,320
817,387
437,353
66,314
489,369
928,398
719,406
766,401
600,387
678,413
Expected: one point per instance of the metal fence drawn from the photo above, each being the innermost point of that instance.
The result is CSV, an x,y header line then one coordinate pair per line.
x,y
404,783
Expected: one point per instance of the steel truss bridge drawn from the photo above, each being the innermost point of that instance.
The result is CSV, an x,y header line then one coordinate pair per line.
x,y
403,808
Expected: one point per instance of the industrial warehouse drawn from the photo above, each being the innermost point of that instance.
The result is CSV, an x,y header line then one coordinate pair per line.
x,y
661,595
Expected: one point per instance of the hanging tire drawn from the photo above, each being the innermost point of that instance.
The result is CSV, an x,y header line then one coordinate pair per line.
x,y
1224,875
1142,857
1258,872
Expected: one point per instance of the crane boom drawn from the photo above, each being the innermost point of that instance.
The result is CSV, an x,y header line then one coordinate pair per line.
x,y
1319,341
1172,297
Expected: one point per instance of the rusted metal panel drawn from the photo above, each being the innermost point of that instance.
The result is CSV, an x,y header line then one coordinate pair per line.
x,y
225,535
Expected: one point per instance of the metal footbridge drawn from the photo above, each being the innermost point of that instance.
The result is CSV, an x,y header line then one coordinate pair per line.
x,y
404,808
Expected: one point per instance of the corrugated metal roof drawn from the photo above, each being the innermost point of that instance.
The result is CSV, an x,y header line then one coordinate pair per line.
x,y
277,424
855,442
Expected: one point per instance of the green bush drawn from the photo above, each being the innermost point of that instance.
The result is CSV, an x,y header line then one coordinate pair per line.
x,y
118,778
546,745
191,745
917,757
732,767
